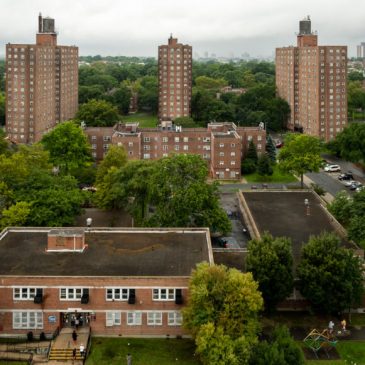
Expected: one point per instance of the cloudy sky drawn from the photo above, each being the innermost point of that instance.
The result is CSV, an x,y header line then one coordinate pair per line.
x,y
223,27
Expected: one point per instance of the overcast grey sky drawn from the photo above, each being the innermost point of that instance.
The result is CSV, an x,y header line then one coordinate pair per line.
x,y
224,27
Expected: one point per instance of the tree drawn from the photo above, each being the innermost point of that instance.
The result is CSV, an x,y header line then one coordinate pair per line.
x,y
148,94
355,76
341,207
351,142
16,215
300,154
121,98
185,122
252,152
264,167
68,147
271,149
87,93
356,230
182,197
248,166
209,83
98,113
281,349
116,157
3,142
271,262
331,277
222,311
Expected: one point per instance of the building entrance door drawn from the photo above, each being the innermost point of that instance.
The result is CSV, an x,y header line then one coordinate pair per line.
x,y
75,319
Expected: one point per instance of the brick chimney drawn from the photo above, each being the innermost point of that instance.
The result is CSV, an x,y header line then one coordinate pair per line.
x,y
66,240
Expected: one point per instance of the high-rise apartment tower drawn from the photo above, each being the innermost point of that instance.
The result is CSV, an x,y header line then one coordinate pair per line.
x,y
174,80
41,84
312,79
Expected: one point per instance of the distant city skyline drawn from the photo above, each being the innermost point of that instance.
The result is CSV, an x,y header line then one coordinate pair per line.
x,y
137,28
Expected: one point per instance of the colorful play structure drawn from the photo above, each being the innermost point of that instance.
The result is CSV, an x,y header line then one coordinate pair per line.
x,y
317,340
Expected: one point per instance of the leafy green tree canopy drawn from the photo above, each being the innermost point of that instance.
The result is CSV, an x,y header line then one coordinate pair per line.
x,y
271,262
98,113
264,167
68,147
331,277
351,142
300,154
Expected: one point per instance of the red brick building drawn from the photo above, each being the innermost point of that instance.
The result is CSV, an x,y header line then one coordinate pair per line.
x,y
174,80
121,281
222,145
312,79
41,84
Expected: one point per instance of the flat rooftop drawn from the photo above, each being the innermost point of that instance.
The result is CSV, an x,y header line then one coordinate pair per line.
x,y
283,213
110,252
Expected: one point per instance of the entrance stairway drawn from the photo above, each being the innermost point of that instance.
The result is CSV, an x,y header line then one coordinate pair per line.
x,y
63,346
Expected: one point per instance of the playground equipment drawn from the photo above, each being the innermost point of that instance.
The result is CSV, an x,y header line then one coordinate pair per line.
x,y
317,340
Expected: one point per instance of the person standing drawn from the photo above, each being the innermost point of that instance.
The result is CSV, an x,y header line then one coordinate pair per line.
x,y
330,327
74,337
343,325
82,350
129,359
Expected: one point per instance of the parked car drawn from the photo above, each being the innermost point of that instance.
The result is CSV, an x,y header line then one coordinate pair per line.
x,y
346,176
349,183
228,242
279,144
355,185
332,168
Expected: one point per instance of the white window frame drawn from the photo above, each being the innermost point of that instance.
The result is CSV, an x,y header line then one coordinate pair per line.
x,y
163,294
134,318
113,319
74,293
27,320
120,294
154,318
146,139
24,293
174,318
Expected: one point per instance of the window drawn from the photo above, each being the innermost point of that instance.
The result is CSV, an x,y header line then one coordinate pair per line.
x,y
174,318
93,138
27,320
146,139
163,294
186,147
146,156
130,144
206,139
134,318
147,147
24,293
106,138
117,294
221,154
154,318
233,154
221,145
113,319
165,139
71,293
177,147
177,139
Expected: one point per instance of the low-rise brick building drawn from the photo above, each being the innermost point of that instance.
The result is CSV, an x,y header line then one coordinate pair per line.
x,y
122,281
222,145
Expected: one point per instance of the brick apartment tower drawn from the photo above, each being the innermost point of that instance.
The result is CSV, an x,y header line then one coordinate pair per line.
x,y
41,84
312,79
174,80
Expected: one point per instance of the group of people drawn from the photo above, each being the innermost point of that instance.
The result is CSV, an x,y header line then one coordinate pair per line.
x,y
82,352
331,325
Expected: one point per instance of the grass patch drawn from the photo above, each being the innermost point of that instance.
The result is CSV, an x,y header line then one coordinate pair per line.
x,y
113,351
145,120
277,177
351,352
358,319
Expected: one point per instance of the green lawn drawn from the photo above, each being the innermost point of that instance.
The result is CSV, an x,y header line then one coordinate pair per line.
x,y
145,120
113,351
351,352
277,177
